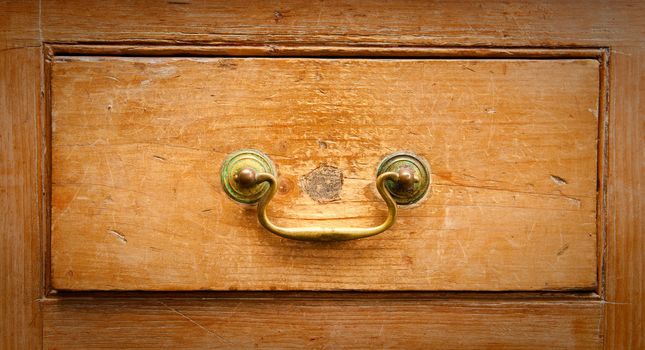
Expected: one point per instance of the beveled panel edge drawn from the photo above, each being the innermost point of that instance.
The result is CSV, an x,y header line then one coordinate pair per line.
x,y
324,51
464,296
603,172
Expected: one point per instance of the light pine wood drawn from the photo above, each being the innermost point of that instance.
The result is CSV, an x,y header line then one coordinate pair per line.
x,y
137,145
314,324
625,276
20,241
21,259
497,23
19,25
619,25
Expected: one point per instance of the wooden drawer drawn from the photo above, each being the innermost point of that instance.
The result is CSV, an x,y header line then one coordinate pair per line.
x,y
113,210
137,146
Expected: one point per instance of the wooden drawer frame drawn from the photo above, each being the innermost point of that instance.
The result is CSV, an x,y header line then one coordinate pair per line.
x,y
600,54
176,301
610,317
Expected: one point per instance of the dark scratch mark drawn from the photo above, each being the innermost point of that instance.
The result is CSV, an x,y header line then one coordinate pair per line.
x,y
206,210
194,322
277,16
227,64
558,180
159,157
118,235
322,144
563,249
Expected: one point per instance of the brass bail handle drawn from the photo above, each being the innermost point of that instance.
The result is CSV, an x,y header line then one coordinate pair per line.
x,y
248,176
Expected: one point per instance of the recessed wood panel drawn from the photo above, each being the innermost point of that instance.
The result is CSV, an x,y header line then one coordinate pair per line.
x,y
137,144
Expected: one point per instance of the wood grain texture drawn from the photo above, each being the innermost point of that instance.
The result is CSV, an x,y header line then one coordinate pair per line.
x,y
20,242
625,271
318,51
538,23
137,145
322,324
525,23
19,24
21,261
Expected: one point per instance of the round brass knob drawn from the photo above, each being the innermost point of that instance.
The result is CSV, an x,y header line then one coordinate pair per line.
x,y
414,176
239,175
245,177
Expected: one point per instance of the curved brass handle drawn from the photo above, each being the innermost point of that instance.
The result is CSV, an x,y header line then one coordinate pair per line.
x,y
243,180
322,233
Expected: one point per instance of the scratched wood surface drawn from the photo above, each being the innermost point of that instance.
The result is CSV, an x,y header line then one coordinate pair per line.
x,y
625,277
496,22
316,324
20,241
138,142
21,256
619,25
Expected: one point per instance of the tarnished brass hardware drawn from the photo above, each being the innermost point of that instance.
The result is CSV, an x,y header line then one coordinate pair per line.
x,y
410,188
241,175
245,177
237,183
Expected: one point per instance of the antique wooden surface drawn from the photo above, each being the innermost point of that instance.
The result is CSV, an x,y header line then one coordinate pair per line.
x,y
20,25
490,23
625,276
20,242
346,324
21,272
137,145
618,25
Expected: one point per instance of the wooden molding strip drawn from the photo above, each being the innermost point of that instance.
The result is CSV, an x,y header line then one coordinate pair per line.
x,y
324,51
285,324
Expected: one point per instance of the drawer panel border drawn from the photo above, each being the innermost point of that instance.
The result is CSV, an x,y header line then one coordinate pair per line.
x,y
400,52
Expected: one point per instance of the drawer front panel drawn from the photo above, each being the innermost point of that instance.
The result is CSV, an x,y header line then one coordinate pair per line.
x,y
137,145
